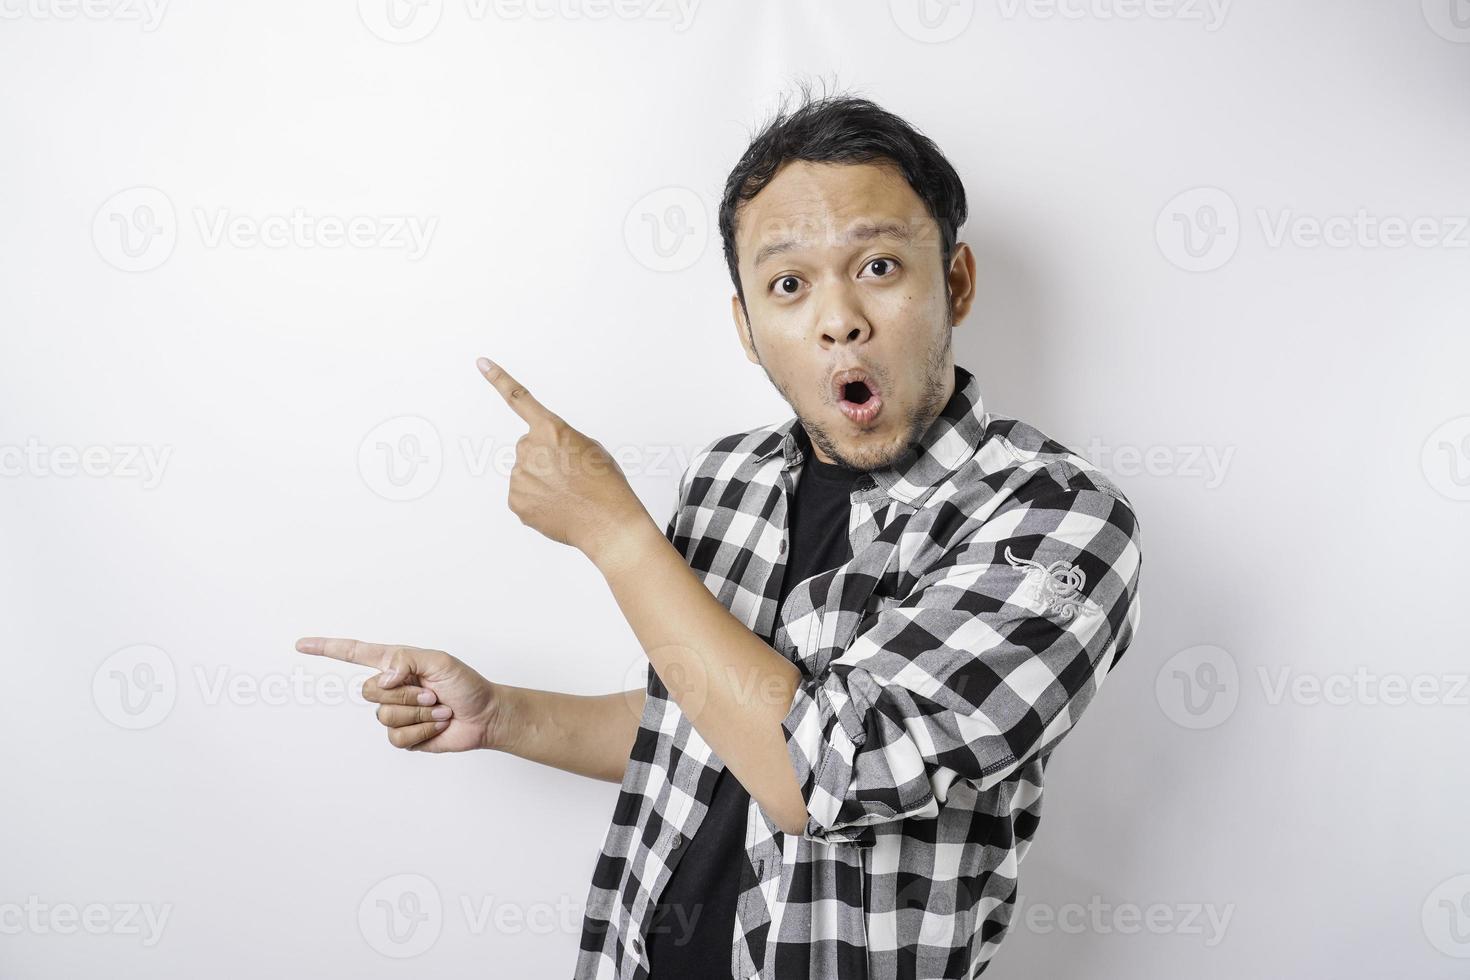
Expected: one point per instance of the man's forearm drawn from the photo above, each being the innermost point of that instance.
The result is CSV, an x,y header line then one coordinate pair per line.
x,y
732,686
590,735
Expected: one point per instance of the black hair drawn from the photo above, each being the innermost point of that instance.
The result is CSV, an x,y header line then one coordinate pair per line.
x,y
844,129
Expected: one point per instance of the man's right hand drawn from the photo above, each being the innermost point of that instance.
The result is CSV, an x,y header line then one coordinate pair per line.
x,y
428,700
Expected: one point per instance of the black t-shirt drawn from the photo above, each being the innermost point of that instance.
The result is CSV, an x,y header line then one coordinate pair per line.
x,y
691,926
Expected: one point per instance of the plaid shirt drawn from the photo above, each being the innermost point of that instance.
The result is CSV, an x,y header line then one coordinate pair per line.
x,y
993,585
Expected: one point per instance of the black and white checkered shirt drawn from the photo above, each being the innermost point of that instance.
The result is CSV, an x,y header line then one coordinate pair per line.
x,y
993,585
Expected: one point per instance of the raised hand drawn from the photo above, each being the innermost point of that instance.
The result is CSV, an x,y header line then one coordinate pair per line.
x,y
564,484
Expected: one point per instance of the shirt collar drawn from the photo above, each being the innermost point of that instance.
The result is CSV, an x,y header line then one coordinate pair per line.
x,y
949,442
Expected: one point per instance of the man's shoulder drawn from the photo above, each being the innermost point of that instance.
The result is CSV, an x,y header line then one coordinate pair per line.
x,y
725,456
1023,487
1019,456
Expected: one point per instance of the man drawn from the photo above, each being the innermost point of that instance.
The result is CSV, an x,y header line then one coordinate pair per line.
x,y
868,626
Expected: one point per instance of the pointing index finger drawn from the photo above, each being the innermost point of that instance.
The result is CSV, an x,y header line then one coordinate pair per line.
x,y
516,395
352,651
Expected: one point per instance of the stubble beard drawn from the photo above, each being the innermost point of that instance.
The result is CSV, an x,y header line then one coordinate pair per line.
x,y
919,418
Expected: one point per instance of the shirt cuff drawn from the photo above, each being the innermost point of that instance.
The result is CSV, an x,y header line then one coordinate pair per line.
x,y
825,730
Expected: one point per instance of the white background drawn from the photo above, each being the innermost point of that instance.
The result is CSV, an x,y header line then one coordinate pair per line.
x,y
1282,749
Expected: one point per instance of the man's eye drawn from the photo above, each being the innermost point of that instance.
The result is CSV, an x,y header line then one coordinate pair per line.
x,y
780,285
885,262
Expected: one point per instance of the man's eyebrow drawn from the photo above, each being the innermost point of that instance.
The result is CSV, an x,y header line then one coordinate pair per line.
x,y
866,231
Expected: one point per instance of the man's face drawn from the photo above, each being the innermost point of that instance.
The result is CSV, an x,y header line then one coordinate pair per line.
x,y
837,296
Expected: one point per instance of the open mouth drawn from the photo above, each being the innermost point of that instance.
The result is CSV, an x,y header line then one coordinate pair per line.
x,y
857,395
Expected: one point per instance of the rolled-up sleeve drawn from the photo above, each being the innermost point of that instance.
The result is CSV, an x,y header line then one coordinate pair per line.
x,y
984,665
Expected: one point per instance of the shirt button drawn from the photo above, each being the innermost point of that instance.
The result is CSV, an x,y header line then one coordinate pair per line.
x,y
782,549
677,843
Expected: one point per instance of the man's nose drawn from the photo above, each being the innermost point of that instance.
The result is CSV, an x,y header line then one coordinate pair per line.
x,y
842,322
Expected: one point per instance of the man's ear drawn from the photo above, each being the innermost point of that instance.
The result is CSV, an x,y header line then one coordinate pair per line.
x,y
961,281
742,328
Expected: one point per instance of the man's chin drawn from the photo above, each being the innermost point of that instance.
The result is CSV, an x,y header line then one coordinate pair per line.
x,y
868,452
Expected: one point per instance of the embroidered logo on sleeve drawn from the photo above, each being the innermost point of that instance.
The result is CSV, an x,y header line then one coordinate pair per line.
x,y
1056,586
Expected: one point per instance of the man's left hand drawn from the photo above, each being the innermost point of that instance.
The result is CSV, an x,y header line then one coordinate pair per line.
x,y
564,483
